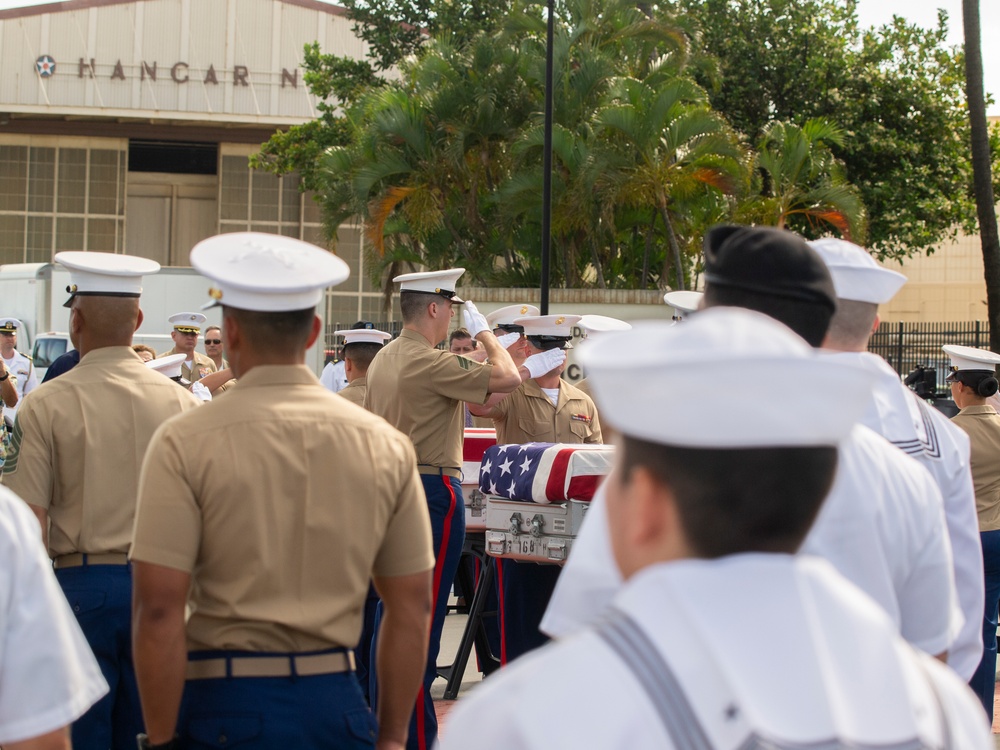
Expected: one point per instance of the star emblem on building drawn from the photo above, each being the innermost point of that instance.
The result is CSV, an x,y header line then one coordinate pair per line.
x,y
45,65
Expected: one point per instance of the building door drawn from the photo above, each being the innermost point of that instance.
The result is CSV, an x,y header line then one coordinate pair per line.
x,y
167,214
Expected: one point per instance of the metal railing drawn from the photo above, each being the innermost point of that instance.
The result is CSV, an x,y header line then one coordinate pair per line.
x,y
909,345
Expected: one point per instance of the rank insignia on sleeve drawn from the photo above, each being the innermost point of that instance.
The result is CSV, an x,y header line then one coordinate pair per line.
x,y
464,363
580,418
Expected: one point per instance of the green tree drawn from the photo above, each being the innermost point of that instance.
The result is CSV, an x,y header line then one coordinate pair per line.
x,y
985,201
896,93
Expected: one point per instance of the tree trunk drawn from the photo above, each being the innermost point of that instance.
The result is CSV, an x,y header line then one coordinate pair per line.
x,y
676,248
981,178
646,252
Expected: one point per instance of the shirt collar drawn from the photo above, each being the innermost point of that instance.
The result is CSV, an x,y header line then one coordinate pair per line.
x,y
278,375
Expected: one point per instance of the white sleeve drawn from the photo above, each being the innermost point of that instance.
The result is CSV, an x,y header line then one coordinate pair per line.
x,y
327,376
589,580
32,382
48,675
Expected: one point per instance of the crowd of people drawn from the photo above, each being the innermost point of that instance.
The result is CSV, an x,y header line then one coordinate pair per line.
x,y
792,550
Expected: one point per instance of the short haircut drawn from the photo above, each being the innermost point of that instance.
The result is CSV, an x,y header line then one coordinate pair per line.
x,y
413,305
810,320
143,348
280,331
460,333
851,325
361,353
740,500
213,328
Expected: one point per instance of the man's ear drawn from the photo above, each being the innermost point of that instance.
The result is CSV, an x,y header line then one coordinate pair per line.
x,y
875,325
648,495
138,319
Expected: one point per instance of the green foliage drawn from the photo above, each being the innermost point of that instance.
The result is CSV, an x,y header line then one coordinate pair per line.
x,y
895,92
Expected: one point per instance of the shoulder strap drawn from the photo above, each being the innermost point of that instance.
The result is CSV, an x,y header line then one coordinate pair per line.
x,y
627,639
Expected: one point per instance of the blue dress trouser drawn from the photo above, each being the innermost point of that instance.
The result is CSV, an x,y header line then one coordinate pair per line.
x,y
101,598
984,679
525,591
316,712
362,654
444,501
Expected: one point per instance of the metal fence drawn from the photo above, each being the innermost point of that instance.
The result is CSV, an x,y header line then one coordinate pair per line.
x,y
909,345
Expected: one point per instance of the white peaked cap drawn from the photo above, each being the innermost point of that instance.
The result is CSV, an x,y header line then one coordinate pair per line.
x,y
548,325
364,336
266,272
596,325
187,322
506,316
856,275
674,385
10,324
684,303
971,358
104,274
432,282
169,365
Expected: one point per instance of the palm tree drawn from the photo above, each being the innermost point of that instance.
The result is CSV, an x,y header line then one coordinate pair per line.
x,y
800,181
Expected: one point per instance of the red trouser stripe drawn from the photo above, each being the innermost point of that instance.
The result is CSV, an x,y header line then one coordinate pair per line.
x,y
438,570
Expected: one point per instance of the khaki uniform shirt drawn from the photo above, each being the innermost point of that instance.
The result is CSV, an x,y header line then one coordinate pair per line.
x,y
528,416
79,442
419,390
200,366
982,423
282,517
355,391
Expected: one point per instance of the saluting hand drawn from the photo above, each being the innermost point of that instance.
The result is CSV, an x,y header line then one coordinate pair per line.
x,y
543,362
475,321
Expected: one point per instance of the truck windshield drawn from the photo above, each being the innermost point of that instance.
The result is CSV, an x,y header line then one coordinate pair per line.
x,y
48,351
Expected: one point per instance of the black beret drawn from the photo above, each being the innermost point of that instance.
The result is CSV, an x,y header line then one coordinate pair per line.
x,y
769,261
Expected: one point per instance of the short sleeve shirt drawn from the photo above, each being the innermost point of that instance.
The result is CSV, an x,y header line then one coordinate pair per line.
x,y
281,500
78,445
419,390
355,391
982,425
528,416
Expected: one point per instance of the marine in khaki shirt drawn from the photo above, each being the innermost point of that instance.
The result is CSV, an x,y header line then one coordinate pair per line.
x,y
361,343
528,416
76,452
272,535
982,424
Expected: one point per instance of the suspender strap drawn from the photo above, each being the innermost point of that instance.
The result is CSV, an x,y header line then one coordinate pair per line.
x,y
627,639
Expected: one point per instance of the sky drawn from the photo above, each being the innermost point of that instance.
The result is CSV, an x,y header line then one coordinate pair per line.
x,y
876,12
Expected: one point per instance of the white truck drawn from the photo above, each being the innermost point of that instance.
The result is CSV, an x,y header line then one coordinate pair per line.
x,y
34,293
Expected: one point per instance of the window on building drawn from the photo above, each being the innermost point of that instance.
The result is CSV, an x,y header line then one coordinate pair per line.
x,y
66,195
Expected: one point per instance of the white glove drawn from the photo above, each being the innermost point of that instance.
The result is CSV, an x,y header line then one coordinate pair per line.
x,y
543,362
475,321
508,340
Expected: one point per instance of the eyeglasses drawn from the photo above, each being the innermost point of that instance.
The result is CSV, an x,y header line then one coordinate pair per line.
x,y
214,342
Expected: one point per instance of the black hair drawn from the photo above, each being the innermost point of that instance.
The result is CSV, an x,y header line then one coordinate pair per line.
x,y
282,331
361,353
983,382
740,500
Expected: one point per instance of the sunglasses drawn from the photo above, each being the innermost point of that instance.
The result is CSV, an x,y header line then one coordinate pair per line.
x,y
213,341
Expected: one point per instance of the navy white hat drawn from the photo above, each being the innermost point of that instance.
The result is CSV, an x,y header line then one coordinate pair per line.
x,y
969,358
364,336
504,317
856,275
266,272
684,303
442,283
104,274
643,380
187,322
9,324
169,365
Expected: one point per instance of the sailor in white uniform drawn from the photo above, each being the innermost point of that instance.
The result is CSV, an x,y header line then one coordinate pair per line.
x,y
48,674
882,525
19,365
897,414
721,637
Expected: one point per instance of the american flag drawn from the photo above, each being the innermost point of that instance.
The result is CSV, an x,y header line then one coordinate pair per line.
x,y
544,472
